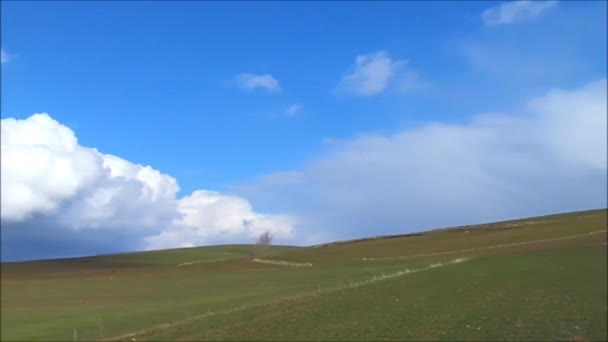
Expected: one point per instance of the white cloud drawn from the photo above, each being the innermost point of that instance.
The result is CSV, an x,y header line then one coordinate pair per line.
x,y
549,157
42,166
47,174
252,81
373,73
293,110
5,57
208,214
512,11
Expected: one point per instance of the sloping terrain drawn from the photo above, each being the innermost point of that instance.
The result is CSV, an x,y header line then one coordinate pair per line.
x,y
532,279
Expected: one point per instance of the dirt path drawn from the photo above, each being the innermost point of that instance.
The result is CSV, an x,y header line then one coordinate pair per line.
x,y
201,261
283,263
374,279
132,336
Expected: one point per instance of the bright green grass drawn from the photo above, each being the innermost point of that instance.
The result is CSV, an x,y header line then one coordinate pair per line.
x,y
533,291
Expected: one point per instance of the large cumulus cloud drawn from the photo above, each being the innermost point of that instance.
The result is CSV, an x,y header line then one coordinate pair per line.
x,y
548,156
58,193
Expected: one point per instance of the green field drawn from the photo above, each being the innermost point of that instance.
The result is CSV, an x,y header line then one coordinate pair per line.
x,y
541,279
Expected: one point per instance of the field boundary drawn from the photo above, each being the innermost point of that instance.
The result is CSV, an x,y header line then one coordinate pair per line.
x,y
457,251
371,280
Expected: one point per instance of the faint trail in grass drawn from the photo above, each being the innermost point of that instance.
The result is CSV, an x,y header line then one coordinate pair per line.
x,y
201,261
406,271
283,263
258,269
487,247
372,280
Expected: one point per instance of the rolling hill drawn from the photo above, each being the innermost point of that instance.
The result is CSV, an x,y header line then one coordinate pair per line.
x,y
535,279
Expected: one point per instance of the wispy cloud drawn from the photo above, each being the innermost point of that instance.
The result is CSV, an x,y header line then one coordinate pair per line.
x,y
373,73
513,11
410,81
500,166
524,66
5,57
250,82
293,110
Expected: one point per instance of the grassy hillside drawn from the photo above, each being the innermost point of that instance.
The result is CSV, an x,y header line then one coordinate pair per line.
x,y
531,279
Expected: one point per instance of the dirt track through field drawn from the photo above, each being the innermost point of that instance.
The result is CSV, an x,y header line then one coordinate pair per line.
x,y
369,281
200,261
487,247
372,280
283,263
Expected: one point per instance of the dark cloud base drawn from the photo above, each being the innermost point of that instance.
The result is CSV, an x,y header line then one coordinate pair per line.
x,y
37,240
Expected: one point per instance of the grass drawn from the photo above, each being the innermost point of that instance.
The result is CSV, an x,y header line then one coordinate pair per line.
x,y
551,290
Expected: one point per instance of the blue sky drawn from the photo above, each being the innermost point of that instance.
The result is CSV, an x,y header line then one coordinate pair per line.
x,y
201,91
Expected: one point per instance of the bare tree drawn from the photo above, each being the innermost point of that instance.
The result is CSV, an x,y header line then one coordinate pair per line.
x,y
261,246
265,239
